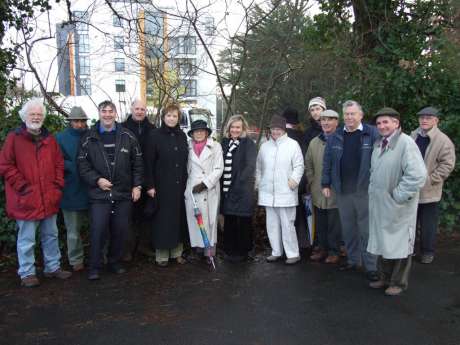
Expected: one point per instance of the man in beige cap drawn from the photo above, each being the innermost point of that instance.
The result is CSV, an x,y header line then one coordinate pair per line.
x,y
74,202
326,213
438,152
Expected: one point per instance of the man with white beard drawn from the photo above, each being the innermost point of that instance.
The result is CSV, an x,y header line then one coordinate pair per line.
x,y
33,168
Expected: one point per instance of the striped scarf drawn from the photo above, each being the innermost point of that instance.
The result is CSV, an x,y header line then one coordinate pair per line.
x,y
227,176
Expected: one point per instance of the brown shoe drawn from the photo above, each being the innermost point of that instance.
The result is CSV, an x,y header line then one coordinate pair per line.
x,y
59,273
393,291
332,259
78,267
180,260
379,284
30,281
318,256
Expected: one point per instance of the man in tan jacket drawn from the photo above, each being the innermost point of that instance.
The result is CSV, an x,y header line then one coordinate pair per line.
x,y
325,209
438,152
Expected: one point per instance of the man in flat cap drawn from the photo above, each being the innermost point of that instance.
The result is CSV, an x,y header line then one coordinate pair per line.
x,y
74,202
397,175
438,152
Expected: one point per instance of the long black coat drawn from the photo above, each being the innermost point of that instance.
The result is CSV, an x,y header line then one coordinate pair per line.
x,y
239,200
166,155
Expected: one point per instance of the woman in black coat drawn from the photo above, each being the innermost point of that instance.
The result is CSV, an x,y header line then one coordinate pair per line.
x,y
165,157
238,197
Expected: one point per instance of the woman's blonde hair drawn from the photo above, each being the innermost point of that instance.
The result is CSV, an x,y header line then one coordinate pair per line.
x,y
233,119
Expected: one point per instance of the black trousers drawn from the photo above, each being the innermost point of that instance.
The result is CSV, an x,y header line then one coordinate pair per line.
x,y
328,229
395,272
238,234
427,219
108,220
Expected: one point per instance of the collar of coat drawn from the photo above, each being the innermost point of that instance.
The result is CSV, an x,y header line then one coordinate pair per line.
x,y
44,133
340,130
206,151
392,143
280,140
432,133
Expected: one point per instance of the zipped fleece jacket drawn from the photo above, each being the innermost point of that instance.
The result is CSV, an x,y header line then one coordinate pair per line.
x,y
93,164
332,174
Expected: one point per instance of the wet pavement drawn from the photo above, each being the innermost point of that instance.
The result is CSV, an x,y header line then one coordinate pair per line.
x,y
252,304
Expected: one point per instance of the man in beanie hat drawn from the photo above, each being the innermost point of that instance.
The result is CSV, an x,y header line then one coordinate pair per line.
x,y
347,160
326,213
438,152
74,203
279,169
32,166
315,107
397,174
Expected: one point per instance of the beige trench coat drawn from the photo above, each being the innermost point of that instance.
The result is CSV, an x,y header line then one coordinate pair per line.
x,y
397,175
207,168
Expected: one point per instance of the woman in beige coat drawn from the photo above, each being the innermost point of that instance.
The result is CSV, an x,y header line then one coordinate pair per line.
x,y
205,167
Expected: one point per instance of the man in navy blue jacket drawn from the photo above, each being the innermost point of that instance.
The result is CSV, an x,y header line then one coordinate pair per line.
x,y
347,160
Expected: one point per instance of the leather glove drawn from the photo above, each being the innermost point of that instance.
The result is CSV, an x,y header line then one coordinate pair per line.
x,y
199,188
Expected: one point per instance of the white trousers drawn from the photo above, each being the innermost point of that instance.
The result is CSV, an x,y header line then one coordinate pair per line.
x,y
281,231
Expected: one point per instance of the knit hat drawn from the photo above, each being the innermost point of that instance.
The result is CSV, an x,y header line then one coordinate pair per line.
x,y
199,124
278,122
317,101
329,113
77,113
291,115
387,111
429,111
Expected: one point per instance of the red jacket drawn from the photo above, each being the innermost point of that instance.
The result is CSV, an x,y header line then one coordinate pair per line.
x,y
34,175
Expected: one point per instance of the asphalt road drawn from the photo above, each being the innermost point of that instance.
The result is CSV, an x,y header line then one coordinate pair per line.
x,y
252,304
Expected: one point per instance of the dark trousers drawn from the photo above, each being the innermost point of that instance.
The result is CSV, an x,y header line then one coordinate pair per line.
x,y
138,235
328,229
237,235
427,219
108,220
395,272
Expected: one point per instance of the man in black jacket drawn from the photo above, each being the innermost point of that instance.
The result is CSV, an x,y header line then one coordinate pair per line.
x,y
139,124
110,162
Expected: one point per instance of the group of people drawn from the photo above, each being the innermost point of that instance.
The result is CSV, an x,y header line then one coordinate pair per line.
x,y
369,186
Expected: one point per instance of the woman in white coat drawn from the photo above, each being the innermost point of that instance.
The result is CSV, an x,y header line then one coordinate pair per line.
x,y
205,167
278,172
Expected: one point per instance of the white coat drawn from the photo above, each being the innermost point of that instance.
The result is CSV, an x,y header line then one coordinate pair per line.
x,y
277,162
397,175
207,168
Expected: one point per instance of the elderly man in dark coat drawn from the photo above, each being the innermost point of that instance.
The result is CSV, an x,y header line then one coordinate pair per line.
x,y
139,124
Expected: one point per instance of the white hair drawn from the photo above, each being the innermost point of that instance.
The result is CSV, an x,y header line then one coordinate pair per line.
x,y
33,102
351,103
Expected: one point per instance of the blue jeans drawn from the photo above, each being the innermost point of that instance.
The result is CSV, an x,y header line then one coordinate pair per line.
x,y
26,244
73,222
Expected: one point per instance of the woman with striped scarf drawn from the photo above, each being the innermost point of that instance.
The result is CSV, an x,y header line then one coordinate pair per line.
x,y
238,196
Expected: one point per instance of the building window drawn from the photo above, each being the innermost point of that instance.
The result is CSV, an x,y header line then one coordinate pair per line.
x,y
83,43
189,45
209,26
117,21
84,65
81,20
182,45
119,42
85,84
120,85
190,87
119,64
185,67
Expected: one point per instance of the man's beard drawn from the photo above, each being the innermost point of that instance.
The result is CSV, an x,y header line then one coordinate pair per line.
x,y
34,126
